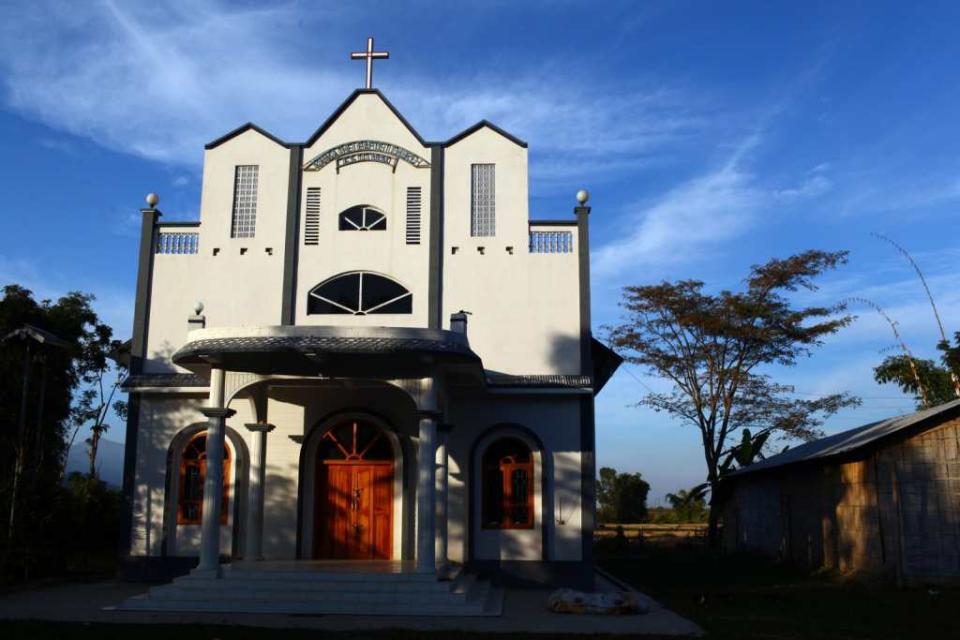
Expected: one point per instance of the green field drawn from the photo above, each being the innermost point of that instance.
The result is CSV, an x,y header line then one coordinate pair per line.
x,y
753,599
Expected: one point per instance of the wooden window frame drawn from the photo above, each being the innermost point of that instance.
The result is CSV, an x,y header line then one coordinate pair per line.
x,y
503,468
201,462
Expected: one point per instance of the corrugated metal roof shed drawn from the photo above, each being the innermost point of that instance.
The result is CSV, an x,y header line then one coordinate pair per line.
x,y
847,441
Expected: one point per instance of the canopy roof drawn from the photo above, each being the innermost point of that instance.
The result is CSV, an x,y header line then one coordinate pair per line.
x,y
333,351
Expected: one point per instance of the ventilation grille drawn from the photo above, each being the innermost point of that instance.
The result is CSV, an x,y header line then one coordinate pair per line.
x,y
414,199
311,225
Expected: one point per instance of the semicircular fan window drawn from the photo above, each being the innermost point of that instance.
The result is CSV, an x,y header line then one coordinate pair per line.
x,y
363,217
359,293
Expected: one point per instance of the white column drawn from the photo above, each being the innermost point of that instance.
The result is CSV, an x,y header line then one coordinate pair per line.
x,y
258,470
426,479
213,487
442,499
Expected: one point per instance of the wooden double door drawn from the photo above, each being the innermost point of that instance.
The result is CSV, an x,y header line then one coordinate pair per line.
x,y
354,505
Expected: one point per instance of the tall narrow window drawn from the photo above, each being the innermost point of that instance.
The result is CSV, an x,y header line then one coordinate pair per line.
x,y
244,221
414,198
193,475
482,200
311,224
507,485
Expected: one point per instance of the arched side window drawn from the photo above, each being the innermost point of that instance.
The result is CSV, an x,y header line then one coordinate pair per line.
x,y
507,485
359,293
363,217
193,475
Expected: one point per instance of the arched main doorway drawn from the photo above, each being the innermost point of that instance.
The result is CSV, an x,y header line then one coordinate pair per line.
x,y
354,493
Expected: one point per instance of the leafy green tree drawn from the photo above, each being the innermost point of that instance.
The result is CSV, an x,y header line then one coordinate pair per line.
x,y
622,497
713,348
43,381
936,381
689,505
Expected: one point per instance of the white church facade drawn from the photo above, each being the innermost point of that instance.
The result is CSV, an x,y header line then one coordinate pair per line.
x,y
364,351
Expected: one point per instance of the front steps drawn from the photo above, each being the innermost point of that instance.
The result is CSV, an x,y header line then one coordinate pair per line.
x,y
305,592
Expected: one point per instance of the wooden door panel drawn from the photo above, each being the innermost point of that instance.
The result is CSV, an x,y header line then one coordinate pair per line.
x,y
382,492
354,511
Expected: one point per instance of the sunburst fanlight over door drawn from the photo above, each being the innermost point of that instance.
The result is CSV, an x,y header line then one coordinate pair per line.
x,y
363,217
359,293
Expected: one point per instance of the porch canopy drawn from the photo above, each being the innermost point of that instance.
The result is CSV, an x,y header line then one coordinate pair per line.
x,y
395,352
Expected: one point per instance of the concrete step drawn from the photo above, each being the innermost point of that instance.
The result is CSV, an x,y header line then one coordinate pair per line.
x,y
297,575
324,593
406,608
313,586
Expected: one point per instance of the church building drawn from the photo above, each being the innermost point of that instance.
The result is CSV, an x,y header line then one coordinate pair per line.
x,y
365,357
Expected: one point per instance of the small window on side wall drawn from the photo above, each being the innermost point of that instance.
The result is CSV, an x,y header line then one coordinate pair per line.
x,y
193,475
507,485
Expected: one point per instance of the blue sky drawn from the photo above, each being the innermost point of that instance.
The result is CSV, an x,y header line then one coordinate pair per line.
x,y
712,136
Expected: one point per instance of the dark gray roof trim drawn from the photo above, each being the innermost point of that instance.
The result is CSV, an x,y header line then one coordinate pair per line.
x,y
242,129
346,103
848,441
484,123
198,350
178,223
553,223
496,380
605,362
160,380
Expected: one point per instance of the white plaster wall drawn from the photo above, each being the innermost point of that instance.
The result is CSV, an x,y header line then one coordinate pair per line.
x,y
236,289
295,410
161,419
555,420
385,252
286,412
525,307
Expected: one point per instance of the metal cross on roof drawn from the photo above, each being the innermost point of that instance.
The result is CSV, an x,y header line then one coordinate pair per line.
x,y
370,55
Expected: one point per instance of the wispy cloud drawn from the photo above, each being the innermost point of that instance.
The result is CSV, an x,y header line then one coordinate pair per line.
x,y
703,212
160,80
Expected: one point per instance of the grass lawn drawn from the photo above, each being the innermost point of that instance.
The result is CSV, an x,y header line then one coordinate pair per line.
x,y
752,599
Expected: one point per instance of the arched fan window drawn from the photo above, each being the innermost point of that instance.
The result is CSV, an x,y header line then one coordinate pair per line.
x,y
363,217
359,293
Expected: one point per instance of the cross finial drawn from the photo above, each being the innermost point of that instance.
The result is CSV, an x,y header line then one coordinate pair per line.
x,y
369,55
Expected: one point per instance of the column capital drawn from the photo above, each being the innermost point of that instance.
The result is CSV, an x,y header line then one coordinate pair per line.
x,y
264,427
217,412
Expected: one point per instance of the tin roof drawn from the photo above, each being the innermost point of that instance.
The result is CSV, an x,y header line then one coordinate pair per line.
x,y
851,440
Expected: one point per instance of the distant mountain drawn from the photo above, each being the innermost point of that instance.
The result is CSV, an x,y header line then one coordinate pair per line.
x,y
109,460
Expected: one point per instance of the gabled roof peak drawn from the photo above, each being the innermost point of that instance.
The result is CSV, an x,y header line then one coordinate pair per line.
x,y
242,129
349,101
484,124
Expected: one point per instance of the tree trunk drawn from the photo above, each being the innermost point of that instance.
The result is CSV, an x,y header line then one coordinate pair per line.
x,y
713,521
94,441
